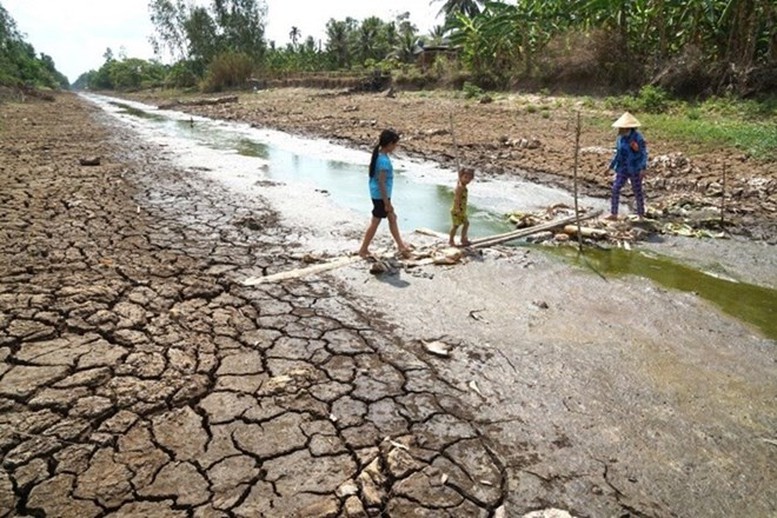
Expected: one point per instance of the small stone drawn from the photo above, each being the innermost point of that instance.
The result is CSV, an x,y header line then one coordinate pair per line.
x,y
328,508
347,489
354,508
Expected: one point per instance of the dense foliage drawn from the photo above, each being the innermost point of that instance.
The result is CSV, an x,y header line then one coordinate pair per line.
x,y
685,48
19,64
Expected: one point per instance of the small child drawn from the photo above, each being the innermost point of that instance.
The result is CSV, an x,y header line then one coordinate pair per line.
x,y
459,208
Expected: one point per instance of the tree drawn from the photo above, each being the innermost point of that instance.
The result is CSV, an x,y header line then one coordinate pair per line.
x,y
199,33
294,35
451,8
241,23
169,21
337,42
19,63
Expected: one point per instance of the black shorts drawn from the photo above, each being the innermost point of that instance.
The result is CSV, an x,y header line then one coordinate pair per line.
x,y
379,209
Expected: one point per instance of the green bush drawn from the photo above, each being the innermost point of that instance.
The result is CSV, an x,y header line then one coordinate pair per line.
x,y
653,99
471,90
181,75
228,70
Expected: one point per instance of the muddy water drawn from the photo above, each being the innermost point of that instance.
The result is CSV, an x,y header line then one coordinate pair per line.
x,y
749,303
254,159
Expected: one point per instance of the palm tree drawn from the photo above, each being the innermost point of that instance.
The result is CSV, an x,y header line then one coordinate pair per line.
x,y
294,34
469,8
337,42
437,35
405,48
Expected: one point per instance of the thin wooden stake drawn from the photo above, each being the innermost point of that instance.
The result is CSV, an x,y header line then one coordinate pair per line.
x,y
577,208
455,145
723,200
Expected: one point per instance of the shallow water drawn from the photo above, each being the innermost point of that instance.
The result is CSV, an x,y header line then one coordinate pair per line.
x,y
420,197
248,158
755,305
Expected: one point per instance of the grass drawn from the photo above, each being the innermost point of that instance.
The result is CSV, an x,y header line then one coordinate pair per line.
x,y
746,125
755,138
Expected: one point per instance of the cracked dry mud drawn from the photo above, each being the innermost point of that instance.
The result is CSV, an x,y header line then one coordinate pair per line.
x,y
138,378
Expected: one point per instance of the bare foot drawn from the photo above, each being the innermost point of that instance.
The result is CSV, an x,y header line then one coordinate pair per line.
x,y
451,243
405,252
365,254
466,242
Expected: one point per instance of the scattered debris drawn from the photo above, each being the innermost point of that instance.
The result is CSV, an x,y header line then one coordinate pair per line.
x,y
522,143
444,479
474,386
438,348
474,315
198,102
621,232
91,161
548,513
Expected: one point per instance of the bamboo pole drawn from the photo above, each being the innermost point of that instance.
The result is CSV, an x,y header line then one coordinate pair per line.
x,y
517,234
723,200
455,144
577,207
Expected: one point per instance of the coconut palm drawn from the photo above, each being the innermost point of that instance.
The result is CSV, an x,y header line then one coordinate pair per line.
x,y
450,8
437,35
294,35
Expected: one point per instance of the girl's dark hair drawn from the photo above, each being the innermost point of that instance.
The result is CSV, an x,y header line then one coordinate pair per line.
x,y
387,136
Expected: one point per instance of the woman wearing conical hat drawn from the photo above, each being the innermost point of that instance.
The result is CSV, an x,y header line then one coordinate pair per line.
x,y
628,163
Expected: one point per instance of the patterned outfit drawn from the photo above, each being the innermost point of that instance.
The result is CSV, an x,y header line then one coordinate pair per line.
x,y
629,161
459,214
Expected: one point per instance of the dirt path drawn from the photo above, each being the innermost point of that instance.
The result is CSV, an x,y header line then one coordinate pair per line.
x,y
529,136
138,378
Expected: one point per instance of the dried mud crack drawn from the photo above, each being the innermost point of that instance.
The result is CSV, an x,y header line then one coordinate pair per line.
x,y
140,378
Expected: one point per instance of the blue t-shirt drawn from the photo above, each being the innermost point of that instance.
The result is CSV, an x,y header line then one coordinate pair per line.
x,y
631,154
382,164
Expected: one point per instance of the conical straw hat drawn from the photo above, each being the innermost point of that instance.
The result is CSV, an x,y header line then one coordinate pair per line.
x,y
627,120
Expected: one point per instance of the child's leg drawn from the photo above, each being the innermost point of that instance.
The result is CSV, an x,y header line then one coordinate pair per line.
x,y
364,251
464,229
452,234
394,228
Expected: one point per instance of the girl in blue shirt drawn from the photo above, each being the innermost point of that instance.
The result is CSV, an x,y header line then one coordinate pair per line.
x,y
381,185
629,163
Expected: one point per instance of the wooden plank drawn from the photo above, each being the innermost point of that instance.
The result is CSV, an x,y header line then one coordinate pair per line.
x,y
302,272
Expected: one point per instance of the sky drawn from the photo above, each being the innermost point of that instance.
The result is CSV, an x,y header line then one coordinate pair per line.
x,y
76,33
